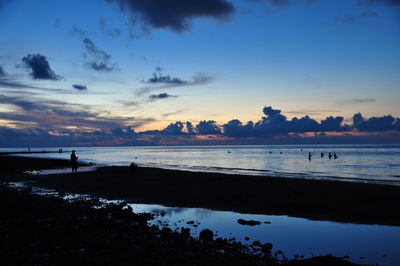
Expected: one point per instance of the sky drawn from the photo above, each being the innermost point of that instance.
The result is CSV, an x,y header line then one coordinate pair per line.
x,y
196,72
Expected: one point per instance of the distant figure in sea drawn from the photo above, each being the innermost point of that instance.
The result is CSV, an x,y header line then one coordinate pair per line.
x,y
74,162
281,153
322,155
229,151
270,152
309,156
335,156
330,155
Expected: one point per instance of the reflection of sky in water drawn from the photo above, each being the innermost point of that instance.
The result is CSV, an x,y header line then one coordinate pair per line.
x,y
292,235
366,162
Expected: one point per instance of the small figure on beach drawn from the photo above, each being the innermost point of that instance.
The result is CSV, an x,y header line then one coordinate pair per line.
x,y
74,162
335,156
133,167
309,156
330,155
322,155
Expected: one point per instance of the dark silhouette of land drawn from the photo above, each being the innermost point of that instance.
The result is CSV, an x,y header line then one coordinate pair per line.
x,y
313,199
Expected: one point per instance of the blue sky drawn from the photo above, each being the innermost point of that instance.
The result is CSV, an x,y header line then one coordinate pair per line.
x,y
224,59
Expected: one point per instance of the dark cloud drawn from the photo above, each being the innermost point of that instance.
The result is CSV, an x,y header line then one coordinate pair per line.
x,y
379,2
97,59
39,66
161,81
79,87
209,127
174,15
375,124
165,79
107,30
364,100
332,124
160,96
274,122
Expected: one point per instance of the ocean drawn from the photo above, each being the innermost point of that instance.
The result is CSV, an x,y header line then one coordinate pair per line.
x,y
355,163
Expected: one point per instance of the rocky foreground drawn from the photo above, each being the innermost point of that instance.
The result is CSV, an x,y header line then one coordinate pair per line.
x,y
43,230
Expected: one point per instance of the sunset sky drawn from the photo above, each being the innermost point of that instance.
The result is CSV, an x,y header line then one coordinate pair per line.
x,y
102,71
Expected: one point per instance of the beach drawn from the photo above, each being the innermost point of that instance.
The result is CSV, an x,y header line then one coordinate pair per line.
x,y
313,199
48,230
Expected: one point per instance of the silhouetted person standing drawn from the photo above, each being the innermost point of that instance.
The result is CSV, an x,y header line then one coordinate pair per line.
x,y
74,162
322,155
309,156
335,156
330,155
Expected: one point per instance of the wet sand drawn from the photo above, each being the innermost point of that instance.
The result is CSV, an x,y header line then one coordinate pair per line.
x,y
312,199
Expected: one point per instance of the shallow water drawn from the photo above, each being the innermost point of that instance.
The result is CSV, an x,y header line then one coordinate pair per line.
x,y
372,244
356,163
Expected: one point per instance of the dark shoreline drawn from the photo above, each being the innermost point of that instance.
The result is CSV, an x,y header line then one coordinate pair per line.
x,y
313,199
43,230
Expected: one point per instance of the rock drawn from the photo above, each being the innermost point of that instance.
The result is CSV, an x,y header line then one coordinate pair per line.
x,y
247,238
248,222
185,232
266,248
206,235
256,243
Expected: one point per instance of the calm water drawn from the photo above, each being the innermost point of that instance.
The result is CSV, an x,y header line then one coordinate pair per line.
x,y
358,163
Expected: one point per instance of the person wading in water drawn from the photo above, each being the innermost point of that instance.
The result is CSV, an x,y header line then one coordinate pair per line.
x,y
74,162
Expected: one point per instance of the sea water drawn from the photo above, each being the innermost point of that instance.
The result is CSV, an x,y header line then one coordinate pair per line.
x,y
355,163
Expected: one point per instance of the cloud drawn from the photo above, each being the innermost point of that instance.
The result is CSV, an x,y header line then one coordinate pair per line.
x,y
160,96
374,124
79,87
39,66
174,15
208,128
379,2
364,100
97,59
41,122
107,30
165,79
159,81
79,31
